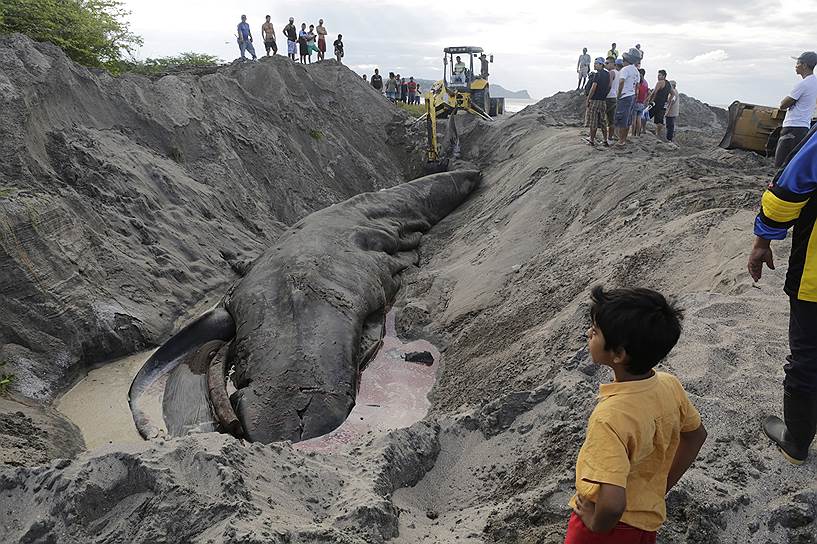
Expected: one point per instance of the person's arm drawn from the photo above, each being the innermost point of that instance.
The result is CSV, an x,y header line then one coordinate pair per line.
x,y
673,96
620,86
782,204
685,455
603,515
787,102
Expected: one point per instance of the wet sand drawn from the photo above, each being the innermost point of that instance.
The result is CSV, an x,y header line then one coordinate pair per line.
x,y
98,404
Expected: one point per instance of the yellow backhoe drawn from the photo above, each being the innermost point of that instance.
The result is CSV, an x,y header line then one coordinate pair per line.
x,y
464,87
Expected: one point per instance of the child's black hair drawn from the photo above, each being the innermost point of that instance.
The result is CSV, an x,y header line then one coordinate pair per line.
x,y
639,321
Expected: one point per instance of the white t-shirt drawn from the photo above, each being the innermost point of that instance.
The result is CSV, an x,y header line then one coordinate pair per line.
x,y
629,74
613,84
805,93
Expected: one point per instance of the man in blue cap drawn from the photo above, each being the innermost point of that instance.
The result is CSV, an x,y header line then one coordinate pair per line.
x,y
245,39
597,101
799,106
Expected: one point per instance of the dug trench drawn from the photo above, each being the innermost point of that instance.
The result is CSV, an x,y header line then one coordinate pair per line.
x,y
500,288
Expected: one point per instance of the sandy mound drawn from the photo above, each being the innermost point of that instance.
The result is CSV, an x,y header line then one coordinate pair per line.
x,y
568,109
126,201
502,290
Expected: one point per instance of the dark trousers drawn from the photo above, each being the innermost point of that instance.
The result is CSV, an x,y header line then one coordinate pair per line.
x,y
801,368
789,138
670,128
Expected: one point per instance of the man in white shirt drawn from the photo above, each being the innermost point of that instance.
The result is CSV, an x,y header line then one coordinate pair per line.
x,y
612,66
799,106
628,79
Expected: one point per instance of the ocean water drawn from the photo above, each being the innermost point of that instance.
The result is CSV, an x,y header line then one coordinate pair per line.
x,y
513,105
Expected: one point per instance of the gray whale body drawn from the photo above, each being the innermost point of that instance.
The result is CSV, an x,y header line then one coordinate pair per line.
x,y
308,314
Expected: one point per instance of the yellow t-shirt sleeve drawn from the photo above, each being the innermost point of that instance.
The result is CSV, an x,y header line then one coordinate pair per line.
x,y
690,417
605,458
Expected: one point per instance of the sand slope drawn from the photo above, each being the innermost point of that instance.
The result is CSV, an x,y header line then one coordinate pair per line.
x,y
124,201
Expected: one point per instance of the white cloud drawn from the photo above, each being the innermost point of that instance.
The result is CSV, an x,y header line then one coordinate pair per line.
x,y
536,44
717,55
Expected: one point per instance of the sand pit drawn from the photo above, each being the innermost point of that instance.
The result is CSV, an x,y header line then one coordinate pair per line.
x,y
502,290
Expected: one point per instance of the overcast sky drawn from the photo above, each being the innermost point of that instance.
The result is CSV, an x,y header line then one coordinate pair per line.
x,y
718,50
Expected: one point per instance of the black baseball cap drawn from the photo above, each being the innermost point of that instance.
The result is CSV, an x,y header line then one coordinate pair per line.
x,y
809,58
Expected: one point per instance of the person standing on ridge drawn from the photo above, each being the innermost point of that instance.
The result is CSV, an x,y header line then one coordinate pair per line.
x,y
268,35
640,55
658,97
377,81
321,30
403,90
291,34
303,47
583,68
791,201
245,39
628,79
597,102
310,43
673,106
799,106
610,101
412,90
642,91
338,44
613,52
391,87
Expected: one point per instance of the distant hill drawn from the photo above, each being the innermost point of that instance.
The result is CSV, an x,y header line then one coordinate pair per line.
x,y
497,91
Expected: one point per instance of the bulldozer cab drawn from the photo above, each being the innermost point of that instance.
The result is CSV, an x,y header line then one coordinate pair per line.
x,y
460,75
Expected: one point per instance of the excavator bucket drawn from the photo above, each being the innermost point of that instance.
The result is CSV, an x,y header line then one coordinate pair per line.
x,y
753,128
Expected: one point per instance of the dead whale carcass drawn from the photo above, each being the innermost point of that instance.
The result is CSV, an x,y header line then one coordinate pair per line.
x,y
309,313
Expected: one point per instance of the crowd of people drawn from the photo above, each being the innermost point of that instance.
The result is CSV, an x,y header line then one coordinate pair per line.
x,y
396,88
620,100
304,43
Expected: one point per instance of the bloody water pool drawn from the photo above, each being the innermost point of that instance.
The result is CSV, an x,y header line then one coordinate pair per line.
x,y
393,393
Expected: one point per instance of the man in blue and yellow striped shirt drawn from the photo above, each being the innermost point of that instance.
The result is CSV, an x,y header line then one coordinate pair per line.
x,y
791,201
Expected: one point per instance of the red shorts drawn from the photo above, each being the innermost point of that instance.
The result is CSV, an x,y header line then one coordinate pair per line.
x,y
578,533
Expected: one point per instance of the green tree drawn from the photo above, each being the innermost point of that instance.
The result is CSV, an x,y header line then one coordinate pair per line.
x,y
91,32
151,66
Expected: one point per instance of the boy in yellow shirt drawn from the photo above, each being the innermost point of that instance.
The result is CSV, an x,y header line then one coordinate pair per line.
x,y
643,434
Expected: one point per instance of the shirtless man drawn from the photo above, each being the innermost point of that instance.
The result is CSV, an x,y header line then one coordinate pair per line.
x,y
268,34
321,31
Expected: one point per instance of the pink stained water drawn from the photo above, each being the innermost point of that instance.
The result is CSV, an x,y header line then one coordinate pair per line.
x,y
393,393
